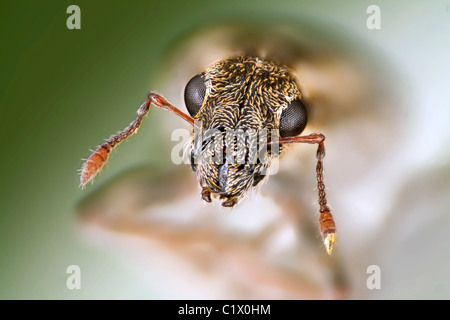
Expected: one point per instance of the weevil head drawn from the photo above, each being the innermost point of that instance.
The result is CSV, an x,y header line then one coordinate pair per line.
x,y
239,104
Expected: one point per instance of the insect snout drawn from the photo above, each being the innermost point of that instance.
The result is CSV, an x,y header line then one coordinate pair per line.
x,y
229,162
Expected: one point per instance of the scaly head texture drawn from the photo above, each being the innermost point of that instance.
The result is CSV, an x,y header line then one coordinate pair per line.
x,y
244,99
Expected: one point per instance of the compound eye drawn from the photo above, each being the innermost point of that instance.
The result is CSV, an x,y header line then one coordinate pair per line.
x,y
194,93
293,119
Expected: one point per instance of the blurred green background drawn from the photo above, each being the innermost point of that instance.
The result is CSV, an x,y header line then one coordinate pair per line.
x,y
63,91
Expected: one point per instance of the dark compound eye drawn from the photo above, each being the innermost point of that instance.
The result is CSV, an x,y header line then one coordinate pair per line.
x,y
293,119
194,93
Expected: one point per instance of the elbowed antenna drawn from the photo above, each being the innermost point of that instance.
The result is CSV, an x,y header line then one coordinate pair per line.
x,y
94,164
327,226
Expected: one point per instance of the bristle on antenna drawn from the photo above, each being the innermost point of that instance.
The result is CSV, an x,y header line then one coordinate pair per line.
x,y
94,164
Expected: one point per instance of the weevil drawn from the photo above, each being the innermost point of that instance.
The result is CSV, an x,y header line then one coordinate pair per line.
x,y
243,94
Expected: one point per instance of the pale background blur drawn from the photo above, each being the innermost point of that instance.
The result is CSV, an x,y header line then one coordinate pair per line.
x,y
141,231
